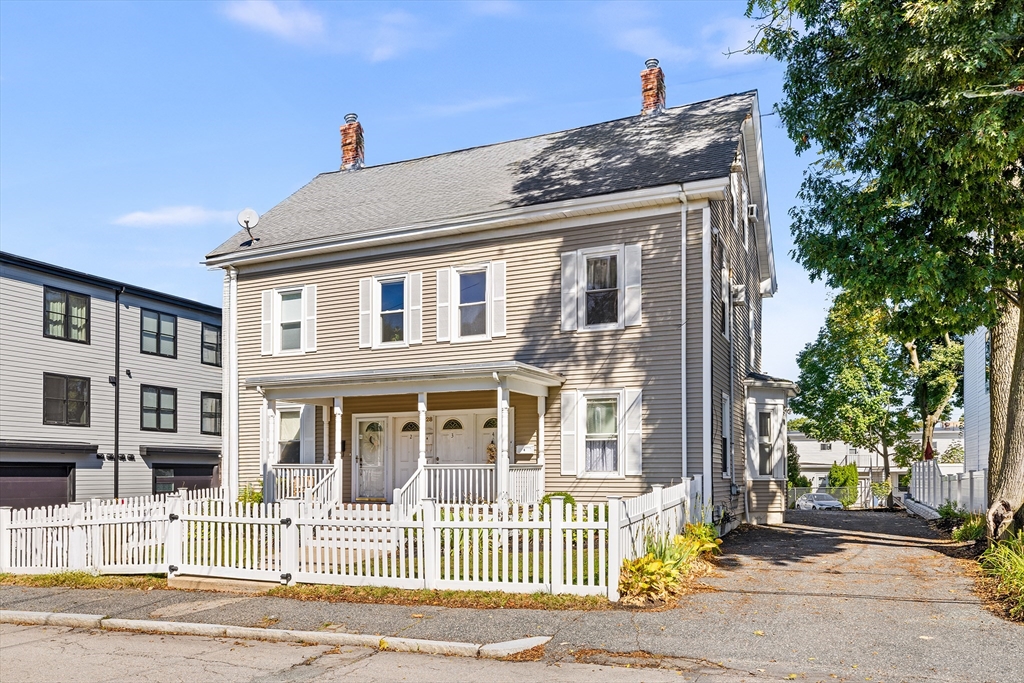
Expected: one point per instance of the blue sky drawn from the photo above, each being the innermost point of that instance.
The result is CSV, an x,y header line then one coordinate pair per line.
x,y
131,134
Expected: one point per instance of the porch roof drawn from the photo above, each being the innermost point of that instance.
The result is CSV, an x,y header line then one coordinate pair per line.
x,y
317,386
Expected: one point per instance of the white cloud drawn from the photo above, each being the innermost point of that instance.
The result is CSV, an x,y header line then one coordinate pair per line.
x,y
290,21
646,42
174,215
468,106
389,35
725,35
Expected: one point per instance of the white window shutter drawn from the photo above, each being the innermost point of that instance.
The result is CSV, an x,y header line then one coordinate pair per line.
x,y
444,295
570,284
309,321
570,444
416,308
498,299
365,312
632,314
307,435
633,423
267,323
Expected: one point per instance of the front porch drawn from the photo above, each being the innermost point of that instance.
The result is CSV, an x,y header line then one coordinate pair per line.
x,y
454,434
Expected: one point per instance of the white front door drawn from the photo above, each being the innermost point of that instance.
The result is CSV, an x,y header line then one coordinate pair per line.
x,y
370,458
407,449
453,439
486,438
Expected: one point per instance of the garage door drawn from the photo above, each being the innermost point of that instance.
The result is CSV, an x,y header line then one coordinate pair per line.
x,y
171,477
26,484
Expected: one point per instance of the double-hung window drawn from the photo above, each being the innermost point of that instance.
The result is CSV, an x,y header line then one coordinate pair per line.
x,y
211,344
765,464
210,408
288,321
471,288
601,439
826,446
65,400
601,288
159,409
289,436
65,315
159,334
391,308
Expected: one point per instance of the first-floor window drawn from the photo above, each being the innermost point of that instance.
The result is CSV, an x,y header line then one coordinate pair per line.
x,y
602,436
159,409
65,400
826,446
764,445
210,419
288,436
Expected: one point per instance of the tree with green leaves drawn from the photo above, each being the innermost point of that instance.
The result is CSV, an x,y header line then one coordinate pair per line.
x,y
854,382
915,203
845,479
796,480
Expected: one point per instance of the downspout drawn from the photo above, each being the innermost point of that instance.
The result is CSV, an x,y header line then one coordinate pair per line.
x,y
117,387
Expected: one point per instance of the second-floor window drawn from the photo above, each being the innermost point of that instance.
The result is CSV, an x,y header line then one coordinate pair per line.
x,y
601,288
826,446
65,315
288,321
159,409
211,344
159,334
471,302
471,288
391,311
211,412
65,400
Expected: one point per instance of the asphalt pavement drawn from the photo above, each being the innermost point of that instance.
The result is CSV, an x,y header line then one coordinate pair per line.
x,y
827,596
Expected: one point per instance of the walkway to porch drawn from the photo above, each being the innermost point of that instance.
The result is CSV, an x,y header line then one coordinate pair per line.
x,y
456,434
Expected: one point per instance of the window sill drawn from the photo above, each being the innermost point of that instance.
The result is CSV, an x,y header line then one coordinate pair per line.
x,y
67,339
601,328
299,352
600,475
469,340
390,345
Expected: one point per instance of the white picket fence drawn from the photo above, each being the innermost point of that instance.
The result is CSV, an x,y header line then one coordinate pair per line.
x,y
928,485
554,548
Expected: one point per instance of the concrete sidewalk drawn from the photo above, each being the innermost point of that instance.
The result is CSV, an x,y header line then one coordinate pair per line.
x,y
831,594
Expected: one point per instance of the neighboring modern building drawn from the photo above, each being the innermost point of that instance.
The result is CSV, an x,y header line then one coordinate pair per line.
x,y
977,410
58,335
816,457
578,311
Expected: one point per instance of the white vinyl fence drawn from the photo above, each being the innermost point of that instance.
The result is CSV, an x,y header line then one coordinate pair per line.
x,y
555,548
968,490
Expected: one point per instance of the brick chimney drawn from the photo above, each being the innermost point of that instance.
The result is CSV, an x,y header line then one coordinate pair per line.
x,y
652,86
351,143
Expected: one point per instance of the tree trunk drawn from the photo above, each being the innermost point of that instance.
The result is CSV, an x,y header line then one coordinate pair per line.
x,y
928,431
885,472
1006,446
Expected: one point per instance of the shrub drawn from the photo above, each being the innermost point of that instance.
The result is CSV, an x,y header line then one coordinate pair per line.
x,y
704,536
569,500
973,529
1004,560
251,494
648,579
845,479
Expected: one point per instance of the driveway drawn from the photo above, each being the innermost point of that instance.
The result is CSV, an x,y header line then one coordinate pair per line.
x,y
854,596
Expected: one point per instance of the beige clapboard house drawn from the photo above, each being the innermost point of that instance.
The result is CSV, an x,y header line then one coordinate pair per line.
x,y
578,311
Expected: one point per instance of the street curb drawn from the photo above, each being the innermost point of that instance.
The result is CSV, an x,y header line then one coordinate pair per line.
x,y
433,647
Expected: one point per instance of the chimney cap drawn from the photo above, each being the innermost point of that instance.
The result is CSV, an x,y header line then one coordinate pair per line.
x,y
351,118
651,63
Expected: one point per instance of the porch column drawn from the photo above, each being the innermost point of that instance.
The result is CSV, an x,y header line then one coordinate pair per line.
x,y
338,484
541,410
501,470
270,450
421,462
326,452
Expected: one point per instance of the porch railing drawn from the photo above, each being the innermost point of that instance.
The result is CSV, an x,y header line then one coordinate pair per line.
x,y
526,483
295,481
407,498
450,483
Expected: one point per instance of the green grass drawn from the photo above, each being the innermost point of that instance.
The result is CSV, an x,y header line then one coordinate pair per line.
x,y
84,580
1004,561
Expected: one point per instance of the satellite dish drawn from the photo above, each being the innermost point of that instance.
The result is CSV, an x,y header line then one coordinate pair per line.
x,y
248,219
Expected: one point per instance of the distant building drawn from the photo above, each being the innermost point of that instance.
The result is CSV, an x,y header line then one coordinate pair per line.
x,y
57,387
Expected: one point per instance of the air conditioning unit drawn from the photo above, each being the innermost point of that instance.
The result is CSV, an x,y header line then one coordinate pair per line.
x,y
739,295
752,211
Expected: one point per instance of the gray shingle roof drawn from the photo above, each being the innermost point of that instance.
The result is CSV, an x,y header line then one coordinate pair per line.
x,y
691,142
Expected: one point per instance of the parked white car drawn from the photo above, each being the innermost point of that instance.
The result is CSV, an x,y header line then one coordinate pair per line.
x,y
817,501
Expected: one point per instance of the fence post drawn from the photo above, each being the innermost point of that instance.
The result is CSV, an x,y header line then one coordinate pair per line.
x,y
76,537
557,507
431,547
173,537
6,539
614,546
970,490
290,512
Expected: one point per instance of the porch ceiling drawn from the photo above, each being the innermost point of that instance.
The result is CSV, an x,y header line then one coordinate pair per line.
x,y
319,386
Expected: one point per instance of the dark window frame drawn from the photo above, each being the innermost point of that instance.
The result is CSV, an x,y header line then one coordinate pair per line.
x,y
203,346
142,409
67,316
203,395
88,400
159,318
